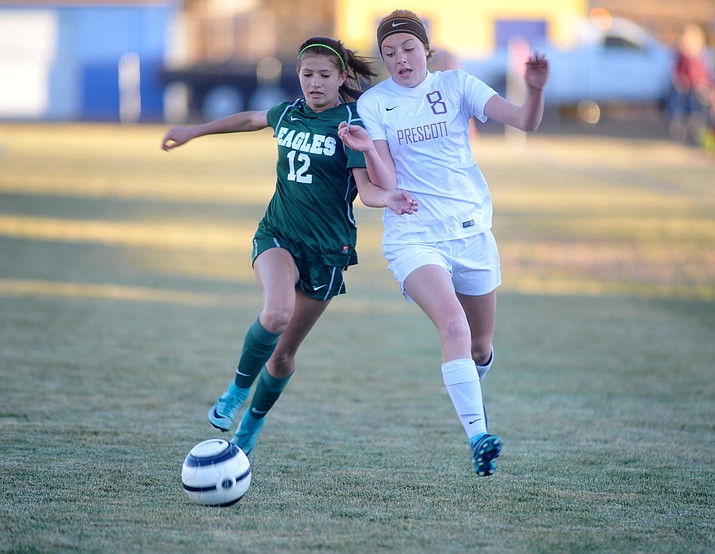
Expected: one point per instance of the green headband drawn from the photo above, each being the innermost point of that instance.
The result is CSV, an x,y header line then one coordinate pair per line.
x,y
333,50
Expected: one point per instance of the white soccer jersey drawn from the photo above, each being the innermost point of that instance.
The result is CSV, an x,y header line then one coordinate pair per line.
x,y
427,129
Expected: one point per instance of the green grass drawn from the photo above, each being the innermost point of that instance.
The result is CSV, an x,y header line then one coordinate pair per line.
x,y
125,291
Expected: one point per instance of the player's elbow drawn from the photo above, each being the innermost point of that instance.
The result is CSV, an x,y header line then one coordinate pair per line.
x,y
530,121
372,200
532,125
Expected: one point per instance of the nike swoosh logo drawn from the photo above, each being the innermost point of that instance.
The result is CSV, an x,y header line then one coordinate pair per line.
x,y
320,287
390,109
258,412
295,118
238,371
475,420
395,24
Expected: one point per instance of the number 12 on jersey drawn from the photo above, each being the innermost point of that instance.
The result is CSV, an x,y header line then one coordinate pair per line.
x,y
301,175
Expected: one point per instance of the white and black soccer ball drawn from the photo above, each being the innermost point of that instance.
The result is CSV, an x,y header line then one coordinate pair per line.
x,y
216,473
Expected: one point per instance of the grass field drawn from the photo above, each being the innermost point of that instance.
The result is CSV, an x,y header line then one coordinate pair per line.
x,y
126,288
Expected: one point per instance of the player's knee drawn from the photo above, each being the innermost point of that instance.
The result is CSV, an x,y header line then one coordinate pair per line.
x,y
482,349
482,352
455,331
276,320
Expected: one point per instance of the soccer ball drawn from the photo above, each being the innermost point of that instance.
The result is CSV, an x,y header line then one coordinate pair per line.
x,y
216,473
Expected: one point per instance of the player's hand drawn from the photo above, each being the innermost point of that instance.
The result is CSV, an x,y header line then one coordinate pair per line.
x,y
401,202
354,137
176,137
537,71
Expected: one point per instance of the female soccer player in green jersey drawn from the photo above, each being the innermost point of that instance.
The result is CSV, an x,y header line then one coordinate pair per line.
x,y
307,237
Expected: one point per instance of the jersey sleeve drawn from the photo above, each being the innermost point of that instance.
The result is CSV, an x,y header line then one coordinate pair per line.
x,y
275,113
355,159
369,110
476,94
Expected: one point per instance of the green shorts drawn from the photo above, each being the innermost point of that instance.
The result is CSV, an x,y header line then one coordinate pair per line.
x,y
316,280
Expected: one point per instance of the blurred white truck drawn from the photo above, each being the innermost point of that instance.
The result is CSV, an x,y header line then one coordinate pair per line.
x,y
619,63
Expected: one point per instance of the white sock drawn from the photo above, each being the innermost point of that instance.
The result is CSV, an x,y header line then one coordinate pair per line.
x,y
462,382
482,370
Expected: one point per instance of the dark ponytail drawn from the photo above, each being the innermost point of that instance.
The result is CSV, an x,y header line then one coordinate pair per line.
x,y
358,68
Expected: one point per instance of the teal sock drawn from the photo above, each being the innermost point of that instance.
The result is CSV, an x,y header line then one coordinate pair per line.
x,y
258,346
268,390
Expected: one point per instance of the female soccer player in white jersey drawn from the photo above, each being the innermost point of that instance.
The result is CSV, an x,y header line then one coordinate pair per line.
x,y
445,257
307,237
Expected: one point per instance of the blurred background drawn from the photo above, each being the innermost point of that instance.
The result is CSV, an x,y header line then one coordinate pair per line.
x,y
176,61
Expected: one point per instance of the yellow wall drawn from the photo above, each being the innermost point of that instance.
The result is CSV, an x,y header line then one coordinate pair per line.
x,y
464,27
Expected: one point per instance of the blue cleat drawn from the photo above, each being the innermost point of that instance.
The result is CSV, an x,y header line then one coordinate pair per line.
x,y
485,451
223,412
248,432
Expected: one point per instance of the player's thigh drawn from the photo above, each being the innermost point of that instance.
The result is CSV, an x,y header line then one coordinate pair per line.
x,y
431,287
277,276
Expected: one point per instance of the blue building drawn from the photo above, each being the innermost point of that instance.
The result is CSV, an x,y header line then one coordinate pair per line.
x,y
62,61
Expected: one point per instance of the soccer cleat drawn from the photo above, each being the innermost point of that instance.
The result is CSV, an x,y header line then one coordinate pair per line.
x,y
248,432
223,412
485,451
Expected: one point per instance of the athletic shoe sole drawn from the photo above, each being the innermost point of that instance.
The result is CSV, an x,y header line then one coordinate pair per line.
x,y
484,453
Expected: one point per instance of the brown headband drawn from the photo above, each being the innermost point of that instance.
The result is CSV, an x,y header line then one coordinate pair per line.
x,y
401,25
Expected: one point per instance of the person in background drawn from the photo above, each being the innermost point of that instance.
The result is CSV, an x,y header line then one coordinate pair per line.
x,y
416,136
306,239
690,101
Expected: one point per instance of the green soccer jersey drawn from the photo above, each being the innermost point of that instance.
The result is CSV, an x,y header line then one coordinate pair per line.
x,y
311,211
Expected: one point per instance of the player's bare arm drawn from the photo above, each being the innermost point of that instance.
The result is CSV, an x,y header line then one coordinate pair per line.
x,y
526,117
377,154
237,123
399,201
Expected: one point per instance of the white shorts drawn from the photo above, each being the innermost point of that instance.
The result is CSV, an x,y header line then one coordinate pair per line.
x,y
472,262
